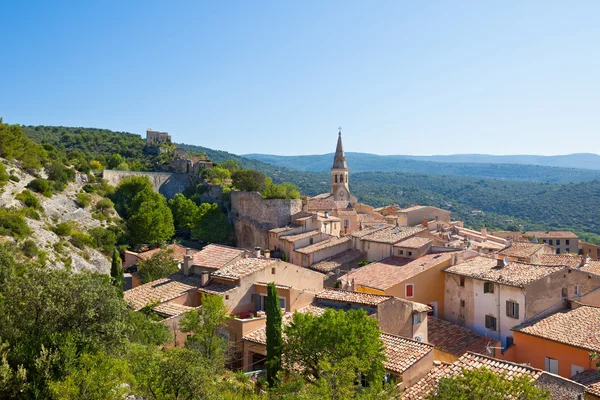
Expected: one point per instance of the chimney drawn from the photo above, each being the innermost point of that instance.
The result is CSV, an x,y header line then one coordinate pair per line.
x,y
425,223
583,260
484,230
187,262
204,278
500,263
257,252
267,253
353,285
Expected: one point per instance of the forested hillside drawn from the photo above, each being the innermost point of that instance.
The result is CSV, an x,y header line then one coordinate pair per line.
x,y
474,167
505,203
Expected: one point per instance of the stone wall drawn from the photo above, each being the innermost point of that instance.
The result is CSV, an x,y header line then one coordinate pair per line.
x,y
167,184
252,217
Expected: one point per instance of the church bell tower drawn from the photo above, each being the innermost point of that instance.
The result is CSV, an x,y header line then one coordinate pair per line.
x,y
339,173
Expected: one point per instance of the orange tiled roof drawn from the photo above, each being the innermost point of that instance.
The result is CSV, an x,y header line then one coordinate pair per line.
x,y
393,234
391,271
578,328
402,353
455,339
560,259
303,235
244,267
323,245
522,249
514,274
335,262
216,256
414,242
551,234
347,296
591,379
171,309
369,218
162,290
178,252
368,230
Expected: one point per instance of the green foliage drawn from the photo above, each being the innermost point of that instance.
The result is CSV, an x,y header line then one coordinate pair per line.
x,y
158,266
41,186
335,336
213,225
483,384
116,271
29,199
144,330
12,223
150,219
3,175
29,248
83,200
60,174
63,229
274,334
186,214
127,189
94,376
104,206
14,145
104,239
230,165
249,180
216,175
205,325
285,190
81,240
14,178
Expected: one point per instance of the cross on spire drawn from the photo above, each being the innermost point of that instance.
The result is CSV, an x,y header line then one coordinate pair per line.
x,y
339,130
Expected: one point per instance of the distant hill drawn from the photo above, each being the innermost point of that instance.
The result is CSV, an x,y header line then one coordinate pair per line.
x,y
472,165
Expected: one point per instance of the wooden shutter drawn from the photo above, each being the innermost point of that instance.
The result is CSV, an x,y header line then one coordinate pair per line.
x,y
516,310
508,309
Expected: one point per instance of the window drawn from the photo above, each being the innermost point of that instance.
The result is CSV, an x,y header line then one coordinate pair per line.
x,y
417,319
410,253
512,309
557,251
409,290
462,281
567,250
462,303
576,369
310,241
550,241
282,303
346,223
261,302
490,322
544,240
387,378
488,287
558,242
335,178
509,341
567,242
565,292
551,365
400,252
576,292
273,270
418,338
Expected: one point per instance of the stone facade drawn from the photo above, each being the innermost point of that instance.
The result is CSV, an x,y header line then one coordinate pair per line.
x,y
253,217
167,184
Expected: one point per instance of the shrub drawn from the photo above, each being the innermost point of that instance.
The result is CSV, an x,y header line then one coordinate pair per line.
x,y
29,248
103,239
80,240
3,175
29,199
14,178
12,223
41,186
89,188
83,200
104,206
63,229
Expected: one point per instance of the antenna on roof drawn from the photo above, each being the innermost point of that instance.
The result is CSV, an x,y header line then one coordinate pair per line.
x,y
505,261
489,348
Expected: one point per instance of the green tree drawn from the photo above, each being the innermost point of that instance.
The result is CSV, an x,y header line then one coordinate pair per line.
x,y
185,212
126,190
206,323
216,175
116,271
13,381
143,329
483,384
158,266
274,334
334,336
115,160
230,165
285,190
249,180
95,376
150,219
83,200
14,145
213,225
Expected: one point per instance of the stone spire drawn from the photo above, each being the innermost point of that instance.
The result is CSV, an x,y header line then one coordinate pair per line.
x,y
339,160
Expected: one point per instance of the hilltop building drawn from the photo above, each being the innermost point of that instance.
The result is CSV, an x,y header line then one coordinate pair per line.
x,y
156,137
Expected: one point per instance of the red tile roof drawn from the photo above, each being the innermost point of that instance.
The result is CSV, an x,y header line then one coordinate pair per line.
x,y
244,267
216,256
392,271
334,241
393,234
591,379
402,353
347,296
414,242
455,339
335,262
578,328
551,234
162,290
522,249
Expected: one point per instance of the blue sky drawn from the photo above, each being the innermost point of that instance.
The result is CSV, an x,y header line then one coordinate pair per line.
x,y
434,77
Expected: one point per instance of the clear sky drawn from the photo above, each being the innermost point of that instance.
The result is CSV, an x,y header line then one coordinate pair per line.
x,y
400,77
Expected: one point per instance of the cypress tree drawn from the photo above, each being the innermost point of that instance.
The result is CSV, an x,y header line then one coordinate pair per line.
x,y
116,271
274,336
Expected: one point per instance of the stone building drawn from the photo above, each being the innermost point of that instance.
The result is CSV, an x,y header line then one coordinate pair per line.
x,y
156,137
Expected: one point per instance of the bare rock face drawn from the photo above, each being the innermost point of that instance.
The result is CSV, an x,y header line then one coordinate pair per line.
x,y
62,207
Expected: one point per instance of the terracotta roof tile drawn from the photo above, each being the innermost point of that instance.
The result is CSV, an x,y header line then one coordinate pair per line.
x,y
347,296
402,353
367,231
393,234
162,290
455,339
323,245
579,328
298,236
216,256
522,249
171,309
514,274
551,234
591,379
335,262
178,252
414,242
369,218
244,267
391,271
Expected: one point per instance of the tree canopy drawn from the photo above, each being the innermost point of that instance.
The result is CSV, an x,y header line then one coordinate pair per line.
x,y
158,266
149,219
